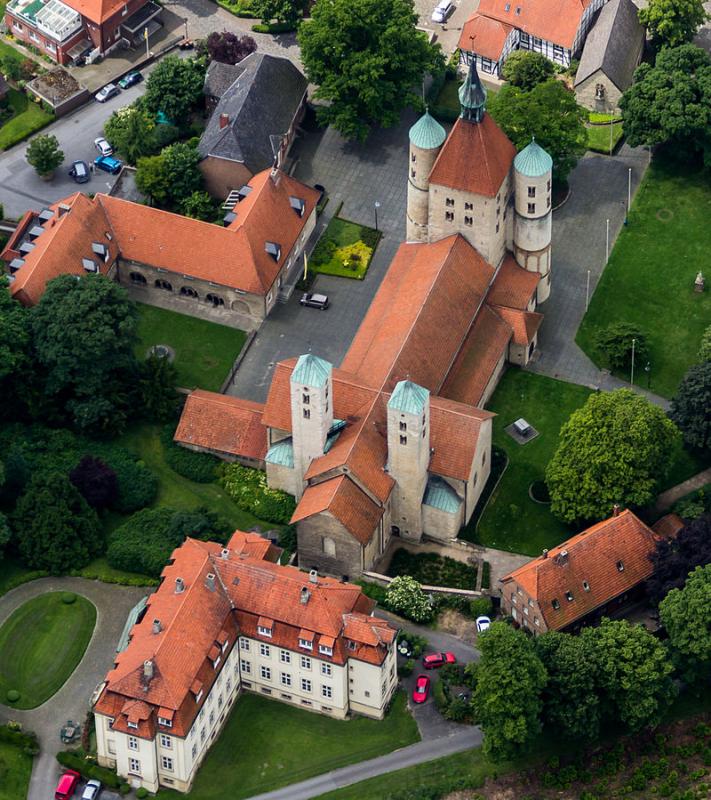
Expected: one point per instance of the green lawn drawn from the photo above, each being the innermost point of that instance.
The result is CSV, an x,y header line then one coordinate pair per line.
x,y
27,118
344,249
649,280
178,492
599,137
15,769
41,644
267,744
204,351
511,520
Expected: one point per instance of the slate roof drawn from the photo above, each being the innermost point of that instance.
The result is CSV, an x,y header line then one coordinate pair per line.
x,y
261,103
219,77
613,44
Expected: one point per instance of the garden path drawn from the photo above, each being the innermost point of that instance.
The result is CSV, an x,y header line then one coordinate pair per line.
x,y
667,499
72,701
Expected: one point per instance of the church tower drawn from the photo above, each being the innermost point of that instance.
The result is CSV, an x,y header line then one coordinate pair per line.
x,y
472,96
533,175
408,455
426,139
311,412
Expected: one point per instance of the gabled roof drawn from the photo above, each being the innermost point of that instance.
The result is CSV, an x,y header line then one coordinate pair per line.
x,y
484,36
513,286
219,77
613,44
311,371
594,567
262,102
97,11
476,158
525,324
224,424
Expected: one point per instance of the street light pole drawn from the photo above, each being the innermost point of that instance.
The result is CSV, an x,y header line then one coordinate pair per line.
x,y
185,20
632,371
607,241
629,194
648,370
587,292
377,206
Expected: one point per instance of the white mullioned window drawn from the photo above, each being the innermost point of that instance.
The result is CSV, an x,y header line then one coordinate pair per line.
x,y
166,741
166,763
134,766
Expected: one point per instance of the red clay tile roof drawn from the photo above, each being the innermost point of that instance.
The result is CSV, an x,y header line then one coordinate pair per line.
x,y
484,36
224,424
346,502
513,286
668,526
454,435
487,342
254,546
476,157
420,315
593,559
97,11
525,324
556,21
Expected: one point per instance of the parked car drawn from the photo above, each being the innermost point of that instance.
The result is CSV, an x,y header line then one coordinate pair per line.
x,y
66,785
482,624
103,146
435,660
314,300
108,164
91,790
109,91
443,9
80,172
422,689
131,79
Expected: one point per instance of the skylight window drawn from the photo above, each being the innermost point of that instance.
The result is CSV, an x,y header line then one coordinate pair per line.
x,y
89,265
297,204
273,249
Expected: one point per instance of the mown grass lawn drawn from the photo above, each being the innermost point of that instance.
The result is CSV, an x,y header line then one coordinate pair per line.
x,y
204,351
599,137
41,644
649,280
27,118
177,492
15,769
341,239
267,744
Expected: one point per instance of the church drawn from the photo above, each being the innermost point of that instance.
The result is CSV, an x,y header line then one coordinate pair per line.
x,y
396,441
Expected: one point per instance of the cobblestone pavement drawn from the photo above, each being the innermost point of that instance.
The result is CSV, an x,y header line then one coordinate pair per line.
x,y
72,701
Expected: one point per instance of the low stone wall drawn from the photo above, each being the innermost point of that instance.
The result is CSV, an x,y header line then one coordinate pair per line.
x,y
386,580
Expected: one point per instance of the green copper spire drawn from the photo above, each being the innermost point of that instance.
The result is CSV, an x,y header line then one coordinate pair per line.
x,y
427,133
533,161
472,96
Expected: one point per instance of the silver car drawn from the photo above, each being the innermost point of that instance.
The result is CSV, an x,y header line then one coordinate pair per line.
x,y
442,11
91,790
109,91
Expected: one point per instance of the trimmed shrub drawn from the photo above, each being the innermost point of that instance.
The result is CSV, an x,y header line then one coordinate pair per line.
x,y
248,488
141,792
87,768
481,607
198,467
13,734
137,485
12,696
68,598
405,596
124,789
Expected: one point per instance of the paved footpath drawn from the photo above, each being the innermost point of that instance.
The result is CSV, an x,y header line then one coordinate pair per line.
x,y
72,701
667,499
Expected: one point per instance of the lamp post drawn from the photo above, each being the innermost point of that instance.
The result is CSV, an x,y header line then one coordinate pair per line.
x,y
185,22
607,241
376,206
648,370
634,341
629,194
587,292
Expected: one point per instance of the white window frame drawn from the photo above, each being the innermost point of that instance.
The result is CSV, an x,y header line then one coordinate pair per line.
x,y
134,766
216,662
262,631
245,666
285,679
326,669
132,743
305,662
326,691
265,673
285,657
325,651
166,723
306,645
244,644
306,685
166,763
166,741
264,650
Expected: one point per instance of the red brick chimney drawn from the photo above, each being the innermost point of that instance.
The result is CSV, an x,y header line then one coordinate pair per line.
x,y
224,120
616,510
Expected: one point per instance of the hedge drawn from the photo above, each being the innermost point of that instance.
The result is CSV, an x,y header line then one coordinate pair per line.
x,y
118,580
274,27
77,760
248,488
26,578
197,467
27,741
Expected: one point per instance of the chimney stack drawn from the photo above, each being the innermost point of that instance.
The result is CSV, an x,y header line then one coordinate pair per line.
x,y
210,581
62,209
224,121
225,553
179,585
563,557
305,595
148,670
157,628
313,576
544,554
616,510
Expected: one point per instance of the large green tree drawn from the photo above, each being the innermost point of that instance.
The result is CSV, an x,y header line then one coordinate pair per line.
x,y
686,616
633,673
526,69
670,103
673,559
170,178
507,699
288,12
367,59
175,88
53,527
44,155
549,112
571,706
691,407
84,332
672,22
15,345
615,449
130,131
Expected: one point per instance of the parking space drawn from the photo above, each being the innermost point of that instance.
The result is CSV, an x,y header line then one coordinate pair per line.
x,y
448,32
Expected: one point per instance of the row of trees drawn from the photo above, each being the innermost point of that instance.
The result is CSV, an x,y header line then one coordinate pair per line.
x,y
616,673
691,406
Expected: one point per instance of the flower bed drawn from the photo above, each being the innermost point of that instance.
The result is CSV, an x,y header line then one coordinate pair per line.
x,y
345,249
432,569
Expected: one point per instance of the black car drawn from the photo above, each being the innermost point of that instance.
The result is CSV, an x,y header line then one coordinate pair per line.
x,y
314,301
80,172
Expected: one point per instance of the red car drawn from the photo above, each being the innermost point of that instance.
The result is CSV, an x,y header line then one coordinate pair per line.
x,y
67,784
422,689
438,660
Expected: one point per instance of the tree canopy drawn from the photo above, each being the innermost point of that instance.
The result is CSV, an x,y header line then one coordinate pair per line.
x,y
96,482
526,69
691,407
404,596
288,12
633,673
507,699
44,155
705,346
670,103
83,333
614,449
686,616
673,559
615,343
174,87
53,527
171,178
671,23
15,343
229,48
368,61
549,112
130,131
